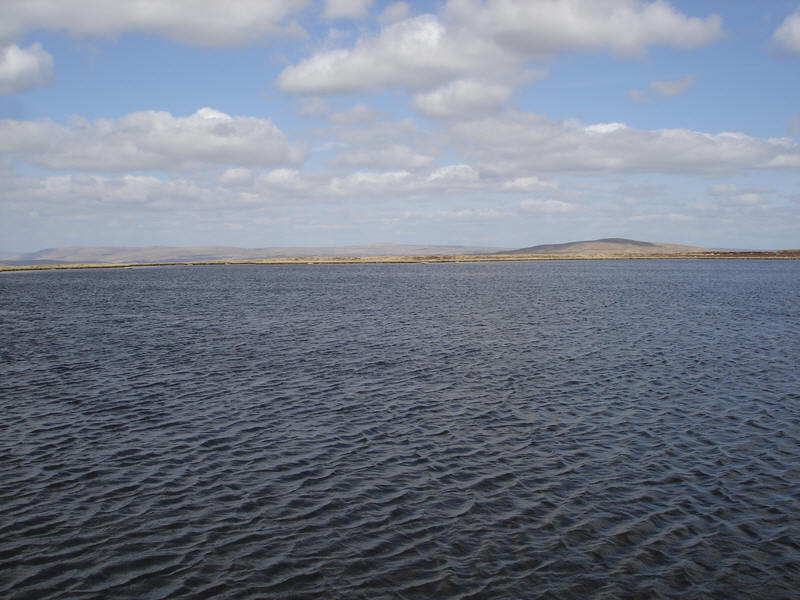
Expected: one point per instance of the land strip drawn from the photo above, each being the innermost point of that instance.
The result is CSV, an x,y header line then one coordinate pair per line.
x,y
725,255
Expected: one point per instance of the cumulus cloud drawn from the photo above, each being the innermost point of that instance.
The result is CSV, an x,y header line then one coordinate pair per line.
x,y
458,214
378,144
361,182
463,97
546,206
471,38
287,181
150,140
450,179
313,107
24,68
529,184
787,36
518,143
236,176
83,193
397,156
350,9
293,185
376,136
212,22
395,12
455,174
419,52
722,189
626,27
360,113
662,217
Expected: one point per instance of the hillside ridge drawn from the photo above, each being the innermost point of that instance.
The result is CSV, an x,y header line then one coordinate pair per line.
x,y
610,246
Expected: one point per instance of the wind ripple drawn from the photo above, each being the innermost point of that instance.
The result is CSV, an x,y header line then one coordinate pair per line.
x,y
568,430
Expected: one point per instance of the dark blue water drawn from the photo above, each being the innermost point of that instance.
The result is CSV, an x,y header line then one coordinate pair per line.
x,y
600,429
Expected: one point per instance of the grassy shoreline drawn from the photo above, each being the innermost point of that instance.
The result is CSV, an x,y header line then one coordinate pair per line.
x,y
712,255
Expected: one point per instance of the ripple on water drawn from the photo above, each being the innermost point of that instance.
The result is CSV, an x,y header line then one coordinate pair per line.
x,y
570,430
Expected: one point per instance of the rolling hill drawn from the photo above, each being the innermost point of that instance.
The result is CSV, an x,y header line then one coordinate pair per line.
x,y
120,255
607,247
165,254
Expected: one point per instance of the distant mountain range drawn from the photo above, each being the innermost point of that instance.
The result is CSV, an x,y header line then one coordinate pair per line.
x,y
607,246
169,254
165,254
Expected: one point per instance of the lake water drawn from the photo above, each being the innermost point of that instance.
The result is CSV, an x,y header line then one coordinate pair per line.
x,y
598,429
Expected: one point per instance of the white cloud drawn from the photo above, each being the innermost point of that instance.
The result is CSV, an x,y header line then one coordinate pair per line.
x,y
541,27
522,143
327,146
639,96
368,183
288,181
384,144
787,36
748,198
285,199
450,179
397,156
743,197
395,12
213,22
471,39
529,184
455,174
674,87
150,140
313,107
673,217
83,194
459,214
381,144
291,185
24,69
86,194
360,113
722,189
349,9
418,53
546,206
236,176
460,98
603,128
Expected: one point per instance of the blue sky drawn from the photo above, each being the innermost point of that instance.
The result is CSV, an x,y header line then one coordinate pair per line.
x,y
500,123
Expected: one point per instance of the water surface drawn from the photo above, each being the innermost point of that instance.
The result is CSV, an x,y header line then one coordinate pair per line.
x,y
596,429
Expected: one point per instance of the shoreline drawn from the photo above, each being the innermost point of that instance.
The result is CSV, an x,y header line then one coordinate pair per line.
x,y
711,255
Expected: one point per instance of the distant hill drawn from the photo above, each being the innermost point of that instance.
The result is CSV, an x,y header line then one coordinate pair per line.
x,y
156,254
168,254
607,246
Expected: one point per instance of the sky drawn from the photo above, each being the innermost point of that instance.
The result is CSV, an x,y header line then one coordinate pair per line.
x,y
503,123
